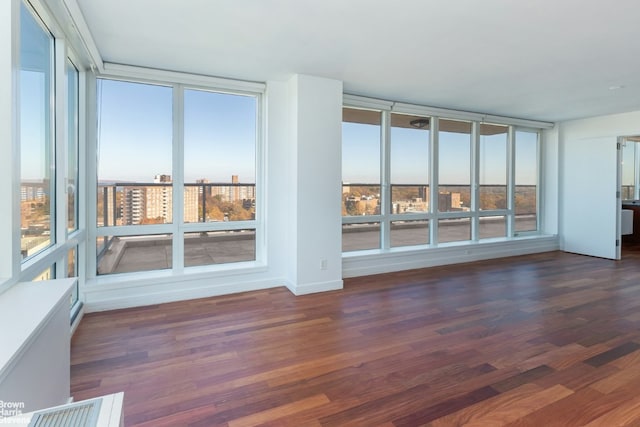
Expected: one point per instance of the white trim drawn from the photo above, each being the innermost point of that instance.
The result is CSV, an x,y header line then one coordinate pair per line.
x,y
364,102
405,258
423,110
177,163
80,27
60,161
312,288
127,72
177,288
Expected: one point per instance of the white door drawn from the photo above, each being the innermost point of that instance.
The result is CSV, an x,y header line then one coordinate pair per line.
x,y
591,206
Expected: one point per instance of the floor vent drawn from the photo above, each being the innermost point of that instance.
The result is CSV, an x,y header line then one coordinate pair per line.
x,y
81,414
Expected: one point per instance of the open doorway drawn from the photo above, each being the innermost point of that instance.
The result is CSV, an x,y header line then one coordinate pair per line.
x,y
629,178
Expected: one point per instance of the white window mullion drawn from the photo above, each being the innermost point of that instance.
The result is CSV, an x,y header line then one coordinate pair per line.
x,y
475,180
178,178
539,189
260,156
89,192
385,176
433,180
511,178
636,170
59,160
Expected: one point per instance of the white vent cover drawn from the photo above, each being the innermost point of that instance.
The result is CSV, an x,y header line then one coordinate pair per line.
x,y
81,414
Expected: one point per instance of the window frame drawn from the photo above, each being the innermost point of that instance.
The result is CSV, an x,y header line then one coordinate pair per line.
x,y
433,216
179,82
54,257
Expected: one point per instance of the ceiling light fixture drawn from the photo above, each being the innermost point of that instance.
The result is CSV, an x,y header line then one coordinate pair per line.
x,y
419,123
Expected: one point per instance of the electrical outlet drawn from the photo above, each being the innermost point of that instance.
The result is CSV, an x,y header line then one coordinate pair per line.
x,y
323,264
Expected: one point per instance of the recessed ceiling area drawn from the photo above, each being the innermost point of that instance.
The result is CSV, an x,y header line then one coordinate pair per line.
x,y
550,60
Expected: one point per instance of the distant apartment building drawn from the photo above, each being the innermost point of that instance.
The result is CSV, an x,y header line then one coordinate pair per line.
x,y
33,191
449,201
234,192
148,204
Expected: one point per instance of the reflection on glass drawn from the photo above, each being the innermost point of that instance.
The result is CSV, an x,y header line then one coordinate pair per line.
x,y
219,156
134,153
454,162
48,274
72,271
72,147
219,247
526,179
454,230
359,237
409,163
493,167
360,162
126,254
409,233
493,226
37,208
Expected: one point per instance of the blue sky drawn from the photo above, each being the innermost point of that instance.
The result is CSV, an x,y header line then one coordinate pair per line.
x,y
35,64
410,156
135,133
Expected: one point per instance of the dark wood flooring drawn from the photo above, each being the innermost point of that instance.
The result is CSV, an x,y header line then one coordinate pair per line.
x,y
550,339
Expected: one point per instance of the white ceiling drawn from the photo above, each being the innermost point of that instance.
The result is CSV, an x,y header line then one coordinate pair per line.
x,y
546,60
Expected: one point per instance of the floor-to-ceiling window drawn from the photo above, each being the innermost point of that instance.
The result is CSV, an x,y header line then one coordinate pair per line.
x,y
49,94
176,177
425,180
37,136
361,179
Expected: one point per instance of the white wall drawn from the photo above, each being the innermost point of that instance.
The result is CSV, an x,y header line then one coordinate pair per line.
x,y
607,127
316,115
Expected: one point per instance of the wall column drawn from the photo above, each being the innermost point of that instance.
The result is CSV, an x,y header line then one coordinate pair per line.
x,y
315,184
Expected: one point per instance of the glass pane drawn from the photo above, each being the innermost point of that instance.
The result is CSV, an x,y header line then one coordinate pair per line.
x,y
72,271
409,163
72,263
360,200
454,150
134,153
125,254
526,171
628,170
219,247
37,207
493,167
454,230
409,233
493,226
133,204
72,147
47,274
219,156
360,162
358,237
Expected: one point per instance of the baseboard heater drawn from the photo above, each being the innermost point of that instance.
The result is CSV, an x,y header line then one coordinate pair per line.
x,y
81,414
105,411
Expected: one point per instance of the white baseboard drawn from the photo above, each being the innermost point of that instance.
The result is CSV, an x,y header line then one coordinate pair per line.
x,y
398,260
312,288
177,290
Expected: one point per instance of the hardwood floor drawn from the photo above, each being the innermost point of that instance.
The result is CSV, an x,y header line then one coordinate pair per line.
x,y
543,340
